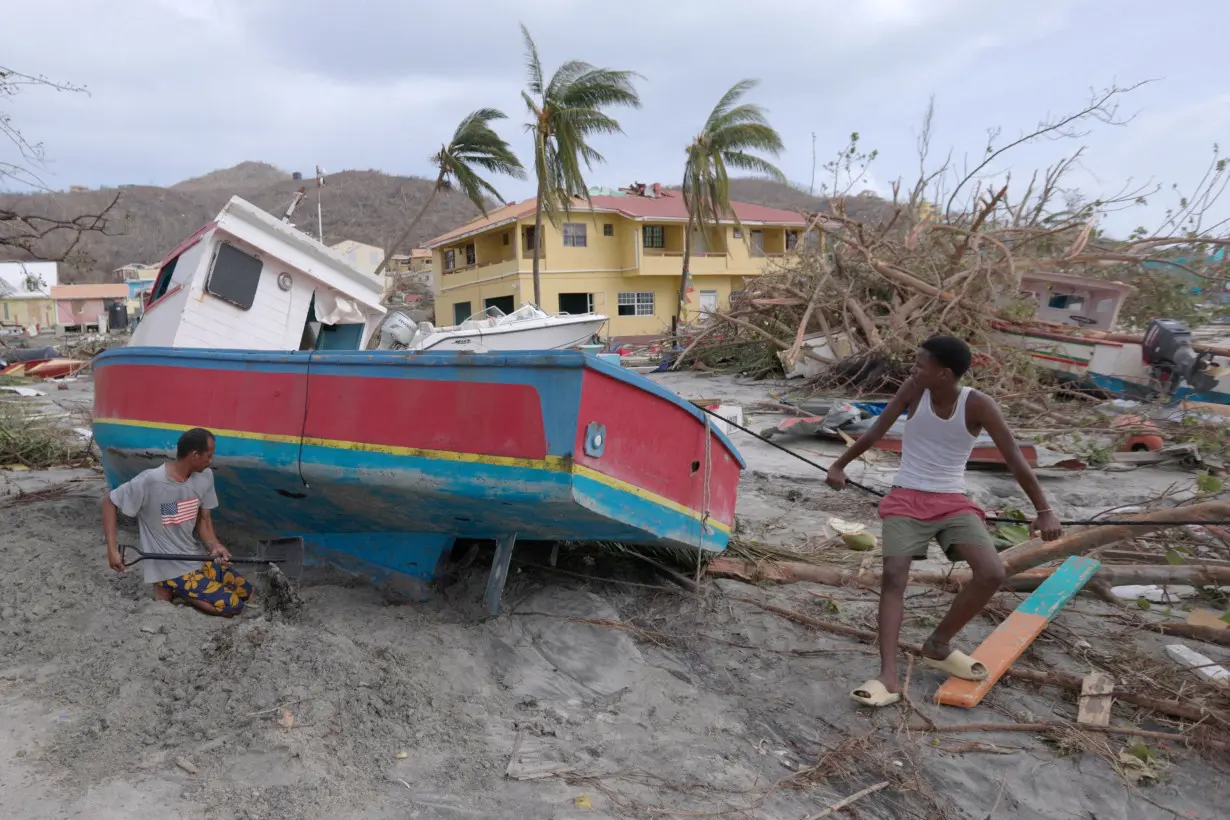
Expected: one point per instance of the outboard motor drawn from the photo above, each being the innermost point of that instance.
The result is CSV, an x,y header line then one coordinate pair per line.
x,y
1172,360
397,332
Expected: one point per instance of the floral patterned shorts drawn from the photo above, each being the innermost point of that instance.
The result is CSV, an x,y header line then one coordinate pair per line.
x,y
224,589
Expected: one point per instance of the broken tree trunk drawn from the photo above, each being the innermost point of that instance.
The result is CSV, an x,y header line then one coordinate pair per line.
x,y
1035,552
790,571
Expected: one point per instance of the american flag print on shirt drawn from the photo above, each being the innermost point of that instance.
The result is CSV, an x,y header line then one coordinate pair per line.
x,y
180,512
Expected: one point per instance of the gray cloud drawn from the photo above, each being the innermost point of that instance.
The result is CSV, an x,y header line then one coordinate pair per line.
x,y
179,87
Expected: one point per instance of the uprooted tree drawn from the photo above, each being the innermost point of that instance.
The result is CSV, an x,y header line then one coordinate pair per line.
x,y
28,232
948,255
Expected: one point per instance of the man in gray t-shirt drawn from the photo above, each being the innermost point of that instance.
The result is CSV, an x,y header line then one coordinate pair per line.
x,y
169,502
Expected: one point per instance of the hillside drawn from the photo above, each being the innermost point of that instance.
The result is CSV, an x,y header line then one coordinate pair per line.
x,y
367,206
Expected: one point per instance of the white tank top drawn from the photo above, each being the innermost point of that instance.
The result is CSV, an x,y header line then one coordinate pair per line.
x,y
935,450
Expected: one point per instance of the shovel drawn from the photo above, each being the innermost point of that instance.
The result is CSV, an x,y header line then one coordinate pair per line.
x,y
287,553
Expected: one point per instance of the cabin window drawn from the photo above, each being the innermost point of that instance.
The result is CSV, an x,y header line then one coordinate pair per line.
x,y
234,276
450,259
636,304
1066,301
574,235
470,254
163,281
654,236
792,240
608,229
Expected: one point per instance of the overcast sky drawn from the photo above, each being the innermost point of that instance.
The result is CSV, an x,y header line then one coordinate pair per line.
x,y
182,87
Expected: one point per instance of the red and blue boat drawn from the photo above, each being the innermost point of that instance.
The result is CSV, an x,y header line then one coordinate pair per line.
x,y
382,460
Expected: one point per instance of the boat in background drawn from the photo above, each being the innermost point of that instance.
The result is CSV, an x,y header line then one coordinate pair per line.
x,y
382,460
526,328
1073,336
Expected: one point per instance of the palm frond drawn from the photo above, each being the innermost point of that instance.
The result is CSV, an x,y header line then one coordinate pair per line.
x,y
599,88
533,65
745,138
727,103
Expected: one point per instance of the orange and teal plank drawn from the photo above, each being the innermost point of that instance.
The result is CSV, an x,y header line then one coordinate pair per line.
x,y
1012,637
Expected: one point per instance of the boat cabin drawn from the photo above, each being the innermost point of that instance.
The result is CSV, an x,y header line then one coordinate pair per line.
x,y
1074,301
249,281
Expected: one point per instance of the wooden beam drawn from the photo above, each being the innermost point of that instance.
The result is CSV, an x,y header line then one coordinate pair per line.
x,y
1012,637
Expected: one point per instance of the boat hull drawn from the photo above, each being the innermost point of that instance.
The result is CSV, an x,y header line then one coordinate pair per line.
x,y
385,458
559,336
1116,367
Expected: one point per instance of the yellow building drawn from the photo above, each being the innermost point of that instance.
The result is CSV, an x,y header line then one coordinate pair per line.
x,y
27,310
622,258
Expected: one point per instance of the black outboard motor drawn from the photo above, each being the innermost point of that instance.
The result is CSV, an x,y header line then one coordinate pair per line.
x,y
1171,359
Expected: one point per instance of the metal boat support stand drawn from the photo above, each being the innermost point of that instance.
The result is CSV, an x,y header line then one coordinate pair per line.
x,y
499,573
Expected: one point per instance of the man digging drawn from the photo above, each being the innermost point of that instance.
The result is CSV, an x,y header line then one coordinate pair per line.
x,y
928,501
170,502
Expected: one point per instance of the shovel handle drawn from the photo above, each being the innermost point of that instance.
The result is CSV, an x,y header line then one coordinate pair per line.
x,y
160,556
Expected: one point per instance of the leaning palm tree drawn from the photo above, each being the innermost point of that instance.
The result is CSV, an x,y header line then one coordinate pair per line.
x,y
475,147
564,113
731,133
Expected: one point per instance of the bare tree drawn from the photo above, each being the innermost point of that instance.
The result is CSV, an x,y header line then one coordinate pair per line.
x,y
24,233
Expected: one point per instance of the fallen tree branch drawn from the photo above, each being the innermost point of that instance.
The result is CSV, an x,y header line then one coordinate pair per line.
x,y
1051,726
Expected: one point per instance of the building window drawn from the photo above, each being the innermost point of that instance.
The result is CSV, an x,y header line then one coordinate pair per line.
x,y
576,303
636,304
608,229
470,254
530,239
574,235
654,236
506,237
461,312
450,259
234,276
792,240
737,233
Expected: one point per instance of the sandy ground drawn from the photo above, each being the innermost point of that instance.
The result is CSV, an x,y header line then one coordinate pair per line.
x,y
586,698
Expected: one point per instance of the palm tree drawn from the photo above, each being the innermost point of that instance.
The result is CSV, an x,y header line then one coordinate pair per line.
x,y
475,147
732,131
564,113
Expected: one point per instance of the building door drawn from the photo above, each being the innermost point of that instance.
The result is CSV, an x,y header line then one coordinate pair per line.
x,y
708,301
576,303
757,243
504,303
461,312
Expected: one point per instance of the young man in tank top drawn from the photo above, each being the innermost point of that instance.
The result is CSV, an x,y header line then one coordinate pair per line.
x,y
928,502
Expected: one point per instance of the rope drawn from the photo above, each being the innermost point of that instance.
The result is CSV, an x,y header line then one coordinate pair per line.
x,y
991,518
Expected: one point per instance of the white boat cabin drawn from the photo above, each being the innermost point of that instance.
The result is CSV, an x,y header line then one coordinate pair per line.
x,y
249,281
1075,301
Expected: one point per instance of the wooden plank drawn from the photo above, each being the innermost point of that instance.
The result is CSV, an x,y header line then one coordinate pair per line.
x,y
1096,699
1204,617
1012,637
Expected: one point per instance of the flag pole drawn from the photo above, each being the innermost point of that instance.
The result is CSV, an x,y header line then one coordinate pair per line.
x,y
320,225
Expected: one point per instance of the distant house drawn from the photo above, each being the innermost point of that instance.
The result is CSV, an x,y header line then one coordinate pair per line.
x,y
140,280
80,306
26,310
363,257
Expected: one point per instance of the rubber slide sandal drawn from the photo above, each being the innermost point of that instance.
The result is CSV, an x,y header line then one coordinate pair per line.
x,y
874,693
959,665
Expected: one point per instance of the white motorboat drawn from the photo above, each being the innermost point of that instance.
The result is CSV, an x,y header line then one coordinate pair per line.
x,y
526,328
